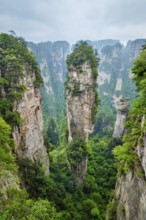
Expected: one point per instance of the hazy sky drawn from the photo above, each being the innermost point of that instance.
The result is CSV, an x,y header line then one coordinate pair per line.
x,y
72,20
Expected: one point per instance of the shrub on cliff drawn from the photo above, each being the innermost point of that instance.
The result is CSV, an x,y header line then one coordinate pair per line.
x,y
14,59
83,53
136,126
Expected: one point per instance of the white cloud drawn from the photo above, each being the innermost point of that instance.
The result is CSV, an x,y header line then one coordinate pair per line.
x,y
43,20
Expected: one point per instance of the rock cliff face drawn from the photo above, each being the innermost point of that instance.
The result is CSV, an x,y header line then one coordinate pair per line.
x,y
80,98
81,102
141,148
122,111
131,187
20,112
131,197
131,182
29,136
8,181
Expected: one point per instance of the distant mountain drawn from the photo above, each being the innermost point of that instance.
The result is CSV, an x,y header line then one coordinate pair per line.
x,y
99,44
114,70
51,58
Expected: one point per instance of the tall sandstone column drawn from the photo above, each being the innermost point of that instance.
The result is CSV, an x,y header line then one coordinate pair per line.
x,y
122,114
29,136
81,103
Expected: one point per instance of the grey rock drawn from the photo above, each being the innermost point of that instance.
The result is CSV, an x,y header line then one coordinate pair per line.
x,y
80,99
29,136
122,113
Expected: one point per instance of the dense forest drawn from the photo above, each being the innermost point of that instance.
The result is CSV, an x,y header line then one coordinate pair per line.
x,y
37,196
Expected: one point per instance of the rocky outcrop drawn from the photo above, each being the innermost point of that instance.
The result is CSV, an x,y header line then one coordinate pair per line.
x,y
131,197
81,102
122,113
130,191
80,99
131,187
29,136
141,147
131,156
21,122
8,181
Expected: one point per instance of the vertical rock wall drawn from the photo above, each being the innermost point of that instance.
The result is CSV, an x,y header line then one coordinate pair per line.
x,y
80,101
131,187
80,98
131,197
29,136
122,110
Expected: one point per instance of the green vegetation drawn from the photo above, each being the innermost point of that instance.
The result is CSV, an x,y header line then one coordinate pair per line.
x,y
88,202
126,154
76,151
56,196
52,131
76,89
15,58
7,160
105,118
111,210
83,53
20,207
94,109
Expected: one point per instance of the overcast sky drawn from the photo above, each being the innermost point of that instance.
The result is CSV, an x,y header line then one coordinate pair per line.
x,y
72,20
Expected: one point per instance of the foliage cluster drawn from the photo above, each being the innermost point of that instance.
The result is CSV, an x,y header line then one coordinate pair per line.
x,y
76,151
126,154
105,118
111,210
81,204
7,161
83,53
59,188
20,207
14,58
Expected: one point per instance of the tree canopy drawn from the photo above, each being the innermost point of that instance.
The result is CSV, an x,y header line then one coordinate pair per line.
x,y
83,53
